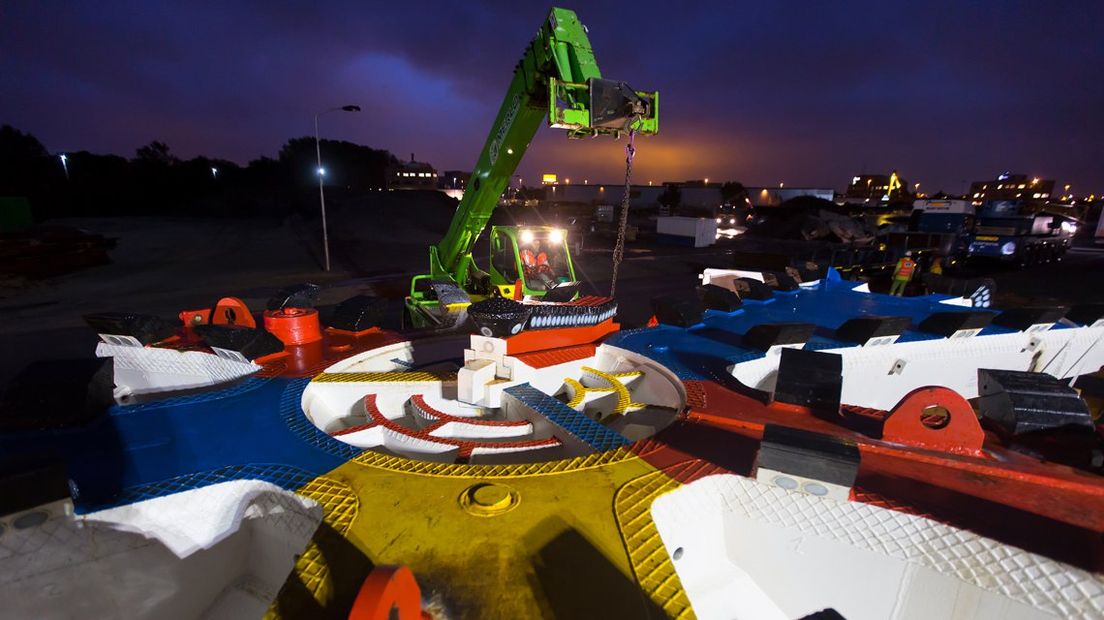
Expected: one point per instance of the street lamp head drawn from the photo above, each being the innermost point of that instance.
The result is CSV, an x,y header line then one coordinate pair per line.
x,y
350,108
321,172
63,158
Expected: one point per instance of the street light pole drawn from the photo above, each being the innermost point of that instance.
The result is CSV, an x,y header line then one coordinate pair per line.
x,y
322,194
322,173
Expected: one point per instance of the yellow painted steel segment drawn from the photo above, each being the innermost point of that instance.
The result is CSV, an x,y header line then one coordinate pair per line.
x,y
520,470
414,376
651,564
559,551
624,399
329,566
578,393
630,374
515,565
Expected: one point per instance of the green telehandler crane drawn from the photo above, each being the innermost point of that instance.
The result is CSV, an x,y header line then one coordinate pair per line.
x,y
556,78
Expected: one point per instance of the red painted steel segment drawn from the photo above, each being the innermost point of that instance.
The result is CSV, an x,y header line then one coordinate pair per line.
x,y
531,340
554,357
465,446
418,400
959,433
388,592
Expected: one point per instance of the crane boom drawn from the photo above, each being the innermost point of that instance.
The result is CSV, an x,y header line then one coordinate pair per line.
x,y
557,77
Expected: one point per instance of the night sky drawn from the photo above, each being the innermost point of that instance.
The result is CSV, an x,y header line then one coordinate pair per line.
x,y
809,93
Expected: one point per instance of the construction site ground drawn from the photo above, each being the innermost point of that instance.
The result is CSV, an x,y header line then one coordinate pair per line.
x,y
165,265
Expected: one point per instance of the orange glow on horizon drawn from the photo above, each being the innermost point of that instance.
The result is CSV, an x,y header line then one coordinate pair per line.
x,y
657,159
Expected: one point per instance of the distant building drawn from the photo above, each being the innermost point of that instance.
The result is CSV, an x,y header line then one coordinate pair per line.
x,y
454,179
874,189
411,175
1011,187
640,196
704,196
645,196
774,196
692,194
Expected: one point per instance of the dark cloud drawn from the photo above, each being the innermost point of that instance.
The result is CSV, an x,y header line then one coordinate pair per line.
x,y
806,92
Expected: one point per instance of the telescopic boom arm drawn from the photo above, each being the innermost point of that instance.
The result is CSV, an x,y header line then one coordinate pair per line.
x,y
558,78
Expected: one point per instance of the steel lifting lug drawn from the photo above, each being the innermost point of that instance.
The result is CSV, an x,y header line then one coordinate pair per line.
x,y
898,367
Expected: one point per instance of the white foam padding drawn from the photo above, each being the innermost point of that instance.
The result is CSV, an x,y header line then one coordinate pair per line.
x,y
750,550
949,362
196,519
221,551
152,370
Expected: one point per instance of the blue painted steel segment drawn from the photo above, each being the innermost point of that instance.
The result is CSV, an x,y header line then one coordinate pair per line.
x,y
588,431
705,351
259,421
291,410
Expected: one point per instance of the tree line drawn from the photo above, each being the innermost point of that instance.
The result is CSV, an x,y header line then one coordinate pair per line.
x,y
156,182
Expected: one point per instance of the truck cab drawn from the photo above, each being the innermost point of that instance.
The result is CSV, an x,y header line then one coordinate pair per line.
x,y
1008,232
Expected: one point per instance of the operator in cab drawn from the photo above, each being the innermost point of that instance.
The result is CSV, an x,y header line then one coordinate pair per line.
x,y
544,260
538,268
535,259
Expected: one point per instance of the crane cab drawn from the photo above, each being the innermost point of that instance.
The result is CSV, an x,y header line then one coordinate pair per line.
x,y
525,262
536,258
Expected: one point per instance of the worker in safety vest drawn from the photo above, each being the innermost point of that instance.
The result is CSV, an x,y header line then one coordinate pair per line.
x,y
936,268
902,274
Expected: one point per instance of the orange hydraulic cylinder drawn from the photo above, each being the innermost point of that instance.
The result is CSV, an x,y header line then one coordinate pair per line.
x,y
294,326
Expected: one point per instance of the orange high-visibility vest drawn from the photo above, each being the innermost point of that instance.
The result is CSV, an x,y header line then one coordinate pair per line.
x,y
531,261
905,267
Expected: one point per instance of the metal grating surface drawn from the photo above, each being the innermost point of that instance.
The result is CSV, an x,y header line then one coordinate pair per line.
x,y
650,562
291,410
554,357
412,376
312,585
426,468
616,383
695,394
586,430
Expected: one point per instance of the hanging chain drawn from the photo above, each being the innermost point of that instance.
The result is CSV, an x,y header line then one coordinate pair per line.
x,y
619,247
